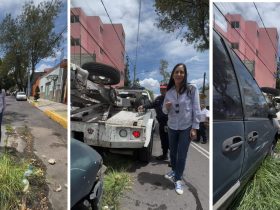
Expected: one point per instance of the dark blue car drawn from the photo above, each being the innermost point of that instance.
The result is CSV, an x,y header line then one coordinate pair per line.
x,y
86,176
243,130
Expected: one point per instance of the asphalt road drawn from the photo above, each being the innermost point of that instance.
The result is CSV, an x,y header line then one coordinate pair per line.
x,y
50,141
152,191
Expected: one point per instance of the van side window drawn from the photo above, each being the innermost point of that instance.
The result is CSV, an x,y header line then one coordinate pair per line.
x,y
226,96
254,100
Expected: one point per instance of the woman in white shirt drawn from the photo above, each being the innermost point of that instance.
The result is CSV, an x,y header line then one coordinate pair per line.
x,y
182,105
2,108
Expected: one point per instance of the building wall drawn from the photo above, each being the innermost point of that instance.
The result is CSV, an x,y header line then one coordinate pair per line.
x,y
98,41
260,56
50,89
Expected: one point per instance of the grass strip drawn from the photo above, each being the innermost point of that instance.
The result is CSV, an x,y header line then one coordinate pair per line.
x,y
11,186
116,180
263,191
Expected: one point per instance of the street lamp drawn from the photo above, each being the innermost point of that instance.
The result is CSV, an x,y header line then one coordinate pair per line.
x,y
54,78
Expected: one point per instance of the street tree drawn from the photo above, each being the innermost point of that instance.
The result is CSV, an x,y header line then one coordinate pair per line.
x,y
127,81
189,18
163,70
30,37
37,93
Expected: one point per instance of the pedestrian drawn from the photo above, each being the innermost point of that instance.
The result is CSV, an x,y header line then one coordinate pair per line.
x,y
2,107
181,103
162,120
204,120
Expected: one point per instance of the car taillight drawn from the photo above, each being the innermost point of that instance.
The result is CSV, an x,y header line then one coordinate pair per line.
x,y
136,134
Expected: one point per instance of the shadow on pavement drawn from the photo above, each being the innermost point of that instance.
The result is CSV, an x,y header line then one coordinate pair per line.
x,y
157,180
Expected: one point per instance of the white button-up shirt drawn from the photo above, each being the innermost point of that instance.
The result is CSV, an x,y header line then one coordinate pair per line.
x,y
185,110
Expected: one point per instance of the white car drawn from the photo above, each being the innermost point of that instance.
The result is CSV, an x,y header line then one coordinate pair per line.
x,y
21,96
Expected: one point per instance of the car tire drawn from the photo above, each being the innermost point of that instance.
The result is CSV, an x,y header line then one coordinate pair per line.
x,y
272,148
111,74
145,153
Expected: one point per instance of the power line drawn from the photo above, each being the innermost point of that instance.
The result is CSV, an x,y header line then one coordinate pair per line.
x,y
265,28
115,29
96,41
244,40
84,48
136,53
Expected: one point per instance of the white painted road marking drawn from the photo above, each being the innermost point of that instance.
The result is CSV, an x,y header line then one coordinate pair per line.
x,y
203,151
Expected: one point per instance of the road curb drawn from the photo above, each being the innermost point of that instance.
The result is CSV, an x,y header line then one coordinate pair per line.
x,y
62,121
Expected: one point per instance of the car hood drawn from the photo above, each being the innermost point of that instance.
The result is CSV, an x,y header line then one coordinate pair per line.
x,y
85,163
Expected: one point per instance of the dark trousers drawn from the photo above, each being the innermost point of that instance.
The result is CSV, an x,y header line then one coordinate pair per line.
x,y
201,132
163,134
1,116
179,142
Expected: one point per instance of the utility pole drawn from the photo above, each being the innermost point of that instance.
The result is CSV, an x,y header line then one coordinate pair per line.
x,y
203,87
28,82
134,74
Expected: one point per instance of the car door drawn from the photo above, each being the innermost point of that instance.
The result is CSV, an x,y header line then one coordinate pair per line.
x,y
228,125
259,129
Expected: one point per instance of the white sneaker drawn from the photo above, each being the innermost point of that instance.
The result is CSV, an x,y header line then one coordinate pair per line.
x,y
178,187
170,175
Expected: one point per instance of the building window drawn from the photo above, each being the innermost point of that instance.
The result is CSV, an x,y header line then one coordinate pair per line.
x,y
257,53
235,24
122,55
75,42
235,45
75,19
258,33
101,30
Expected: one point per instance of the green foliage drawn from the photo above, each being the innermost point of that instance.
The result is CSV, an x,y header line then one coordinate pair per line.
x,y
29,38
163,70
115,183
263,191
116,180
11,185
189,18
37,95
127,82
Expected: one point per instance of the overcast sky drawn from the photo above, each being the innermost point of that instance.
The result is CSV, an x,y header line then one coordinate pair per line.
x,y
14,7
269,13
154,44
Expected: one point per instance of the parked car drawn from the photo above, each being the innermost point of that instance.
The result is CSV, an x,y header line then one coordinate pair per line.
x,y
21,96
86,176
243,130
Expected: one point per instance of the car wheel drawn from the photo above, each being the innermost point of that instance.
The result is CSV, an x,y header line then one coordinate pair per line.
x,y
145,153
102,73
271,150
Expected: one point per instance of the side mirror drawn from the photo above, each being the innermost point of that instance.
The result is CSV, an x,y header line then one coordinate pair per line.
x,y
272,113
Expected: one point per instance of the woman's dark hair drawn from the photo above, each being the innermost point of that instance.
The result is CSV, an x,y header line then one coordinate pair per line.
x,y
184,86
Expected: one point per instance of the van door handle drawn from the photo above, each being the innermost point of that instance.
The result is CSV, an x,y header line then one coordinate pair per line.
x,y
253,136
233,143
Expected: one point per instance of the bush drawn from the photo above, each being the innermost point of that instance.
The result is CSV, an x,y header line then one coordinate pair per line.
x,y
37,95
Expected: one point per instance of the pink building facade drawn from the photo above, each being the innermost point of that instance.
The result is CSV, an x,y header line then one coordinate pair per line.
x,y
91,40
255,48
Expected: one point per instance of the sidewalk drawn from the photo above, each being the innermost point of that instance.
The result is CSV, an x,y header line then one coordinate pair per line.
x,y
54,110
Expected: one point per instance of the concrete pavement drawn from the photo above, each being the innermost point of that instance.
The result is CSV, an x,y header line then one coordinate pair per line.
x,y
54,110
48,140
